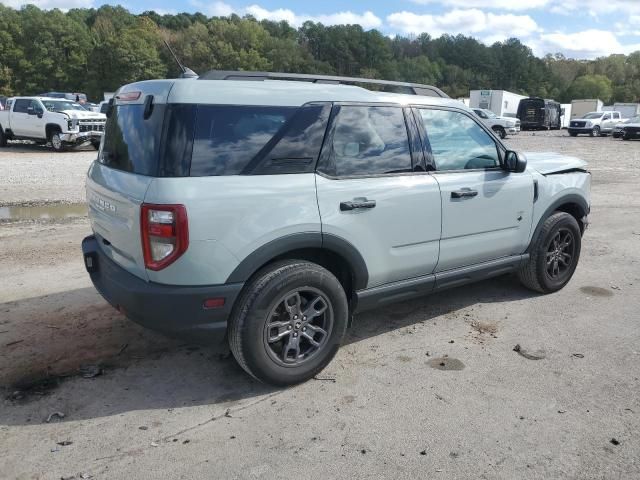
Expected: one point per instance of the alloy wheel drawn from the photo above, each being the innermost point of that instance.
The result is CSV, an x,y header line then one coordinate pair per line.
x,y
298,326
560,254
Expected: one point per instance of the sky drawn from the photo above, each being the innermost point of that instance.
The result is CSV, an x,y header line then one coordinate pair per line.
x,y
575,28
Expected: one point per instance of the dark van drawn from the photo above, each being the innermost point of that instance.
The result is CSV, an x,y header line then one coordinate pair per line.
x,y
537,113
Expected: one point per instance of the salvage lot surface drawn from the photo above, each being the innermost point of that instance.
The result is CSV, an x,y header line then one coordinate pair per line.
x,y
424,389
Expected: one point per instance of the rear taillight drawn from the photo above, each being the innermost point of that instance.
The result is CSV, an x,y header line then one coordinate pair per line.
x,y
165,234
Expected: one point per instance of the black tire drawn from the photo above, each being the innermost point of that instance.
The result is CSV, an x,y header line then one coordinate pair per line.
x,y
595,131
500,132
535,274
56,143
3,138
263,299
96,145
573,134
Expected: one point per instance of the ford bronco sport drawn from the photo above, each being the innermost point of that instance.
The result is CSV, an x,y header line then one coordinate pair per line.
x,y
266,213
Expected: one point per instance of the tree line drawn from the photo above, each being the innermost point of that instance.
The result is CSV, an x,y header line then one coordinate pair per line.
x,y
97,50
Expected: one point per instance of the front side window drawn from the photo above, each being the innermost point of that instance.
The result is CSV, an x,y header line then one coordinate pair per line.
x,y
369,141
457,142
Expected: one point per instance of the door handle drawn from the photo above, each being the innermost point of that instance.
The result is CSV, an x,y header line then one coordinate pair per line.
x,y
357,203
464,193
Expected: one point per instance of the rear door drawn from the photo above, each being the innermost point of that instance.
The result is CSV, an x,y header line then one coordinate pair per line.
x,y
486,211
374,195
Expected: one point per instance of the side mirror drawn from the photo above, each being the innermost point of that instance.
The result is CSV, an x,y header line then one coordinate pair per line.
x,y
31,111
39,112
513,162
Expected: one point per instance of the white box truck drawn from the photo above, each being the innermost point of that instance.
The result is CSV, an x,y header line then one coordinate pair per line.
x,y
565,117
627,110
581,107
500,102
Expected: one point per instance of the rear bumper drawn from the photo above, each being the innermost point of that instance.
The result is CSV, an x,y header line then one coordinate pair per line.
x,y
173,310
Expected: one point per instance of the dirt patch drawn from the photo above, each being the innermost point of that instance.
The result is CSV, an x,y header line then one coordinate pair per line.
x,y
597,291
484,327
446,363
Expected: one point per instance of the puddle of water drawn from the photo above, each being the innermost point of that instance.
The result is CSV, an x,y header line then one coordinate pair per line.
x,y
597,291
446,363
44,212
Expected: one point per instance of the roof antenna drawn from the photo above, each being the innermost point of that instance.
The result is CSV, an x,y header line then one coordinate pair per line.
x,y
186,71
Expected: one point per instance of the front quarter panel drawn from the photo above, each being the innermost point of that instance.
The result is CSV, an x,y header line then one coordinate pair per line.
x,y
556,189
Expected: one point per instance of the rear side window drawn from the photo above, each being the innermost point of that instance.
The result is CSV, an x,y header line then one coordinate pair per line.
x,y
22,106
227,138
368,141
179,140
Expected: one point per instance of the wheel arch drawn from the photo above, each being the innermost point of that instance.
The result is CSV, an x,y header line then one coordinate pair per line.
x,y
332,252
573,204
51,127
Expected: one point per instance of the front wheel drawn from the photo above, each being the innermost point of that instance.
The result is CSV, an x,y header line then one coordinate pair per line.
x,y
3,138
500,132
56,142
595,132
288,322
554,255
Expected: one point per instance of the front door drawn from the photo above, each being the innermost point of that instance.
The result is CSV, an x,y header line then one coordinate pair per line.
x,y
373,195
20,117
486,211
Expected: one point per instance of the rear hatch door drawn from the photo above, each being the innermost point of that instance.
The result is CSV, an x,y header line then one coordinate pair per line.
x,y
128,161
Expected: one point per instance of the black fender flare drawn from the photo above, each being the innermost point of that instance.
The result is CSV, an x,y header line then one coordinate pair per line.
x,y
572,198
298,241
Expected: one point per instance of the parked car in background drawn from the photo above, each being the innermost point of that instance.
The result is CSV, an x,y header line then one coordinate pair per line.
x,y
594,124
501,125
266,213
3,101
55,120
537,113
80,98
618,128
631,129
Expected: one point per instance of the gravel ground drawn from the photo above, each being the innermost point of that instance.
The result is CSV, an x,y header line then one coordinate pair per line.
x,y
385,407
34,174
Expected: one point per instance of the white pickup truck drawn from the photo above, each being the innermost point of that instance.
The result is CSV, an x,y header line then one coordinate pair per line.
x,y
501,125
595,124
61,122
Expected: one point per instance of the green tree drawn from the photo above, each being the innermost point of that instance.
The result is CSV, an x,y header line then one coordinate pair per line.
x,y
591,86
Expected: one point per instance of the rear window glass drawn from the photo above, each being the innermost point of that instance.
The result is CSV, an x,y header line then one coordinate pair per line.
x,y
228,137
132,143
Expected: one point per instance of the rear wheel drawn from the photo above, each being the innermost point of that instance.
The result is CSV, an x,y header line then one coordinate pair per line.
x,y
289,322
500,132
554,256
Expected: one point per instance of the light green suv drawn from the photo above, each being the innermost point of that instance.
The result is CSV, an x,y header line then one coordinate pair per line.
x,y
267,213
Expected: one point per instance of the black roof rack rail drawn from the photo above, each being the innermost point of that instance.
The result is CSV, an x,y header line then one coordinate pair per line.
x,y
411,88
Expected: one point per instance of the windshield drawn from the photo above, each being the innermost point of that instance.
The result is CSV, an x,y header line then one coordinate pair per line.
x,y
593,115
61,105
